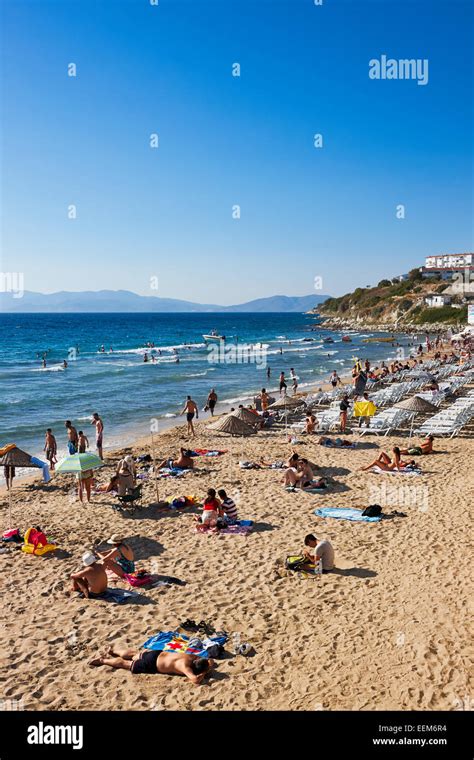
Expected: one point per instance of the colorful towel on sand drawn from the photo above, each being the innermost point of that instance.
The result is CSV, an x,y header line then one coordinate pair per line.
x,y
208,452
170,641
174,472
334,445
379,471
152,581
239,528
115,595
345,513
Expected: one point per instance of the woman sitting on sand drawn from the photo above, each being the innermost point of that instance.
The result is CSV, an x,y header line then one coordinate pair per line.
x,y
121,559
383,462
126,475
426,447
210,509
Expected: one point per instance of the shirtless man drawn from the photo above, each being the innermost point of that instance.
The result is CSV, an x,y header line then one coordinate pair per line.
x,y
191,409
72,437
185,461
99,430
50,447
211,401
92,579
150,662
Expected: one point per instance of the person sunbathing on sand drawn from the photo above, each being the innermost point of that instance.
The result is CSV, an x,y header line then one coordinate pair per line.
x,y
383,461
150,662
112,485
92,579
426,447
184,462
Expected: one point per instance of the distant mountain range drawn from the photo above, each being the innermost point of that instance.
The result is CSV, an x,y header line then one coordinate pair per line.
x,y
125,301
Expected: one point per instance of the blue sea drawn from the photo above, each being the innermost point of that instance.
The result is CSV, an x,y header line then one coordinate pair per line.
x,y
126,391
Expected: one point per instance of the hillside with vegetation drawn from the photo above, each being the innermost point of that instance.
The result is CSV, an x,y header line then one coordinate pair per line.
x,y
395,303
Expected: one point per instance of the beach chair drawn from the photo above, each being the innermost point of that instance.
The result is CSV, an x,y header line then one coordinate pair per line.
x,y
130,501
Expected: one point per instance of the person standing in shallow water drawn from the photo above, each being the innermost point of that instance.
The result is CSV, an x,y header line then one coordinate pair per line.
x,y
99,432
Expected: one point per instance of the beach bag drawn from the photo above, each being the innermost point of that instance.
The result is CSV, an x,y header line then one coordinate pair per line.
x,y
295,562
374,510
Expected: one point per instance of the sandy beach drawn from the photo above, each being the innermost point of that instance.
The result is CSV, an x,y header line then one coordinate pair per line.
x,y
388,629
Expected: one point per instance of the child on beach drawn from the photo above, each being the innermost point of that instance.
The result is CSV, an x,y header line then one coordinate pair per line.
x,y
211,508
83,442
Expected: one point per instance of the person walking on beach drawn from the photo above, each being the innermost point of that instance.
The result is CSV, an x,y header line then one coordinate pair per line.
x,y
190,408
335,379
50,448
9,474
72,437
282,384
212,401
294,379
83,442
99,433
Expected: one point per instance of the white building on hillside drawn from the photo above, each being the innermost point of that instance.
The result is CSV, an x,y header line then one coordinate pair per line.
x,y
436,301
449,260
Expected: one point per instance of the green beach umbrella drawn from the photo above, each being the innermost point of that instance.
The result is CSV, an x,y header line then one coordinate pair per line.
x,y
79,463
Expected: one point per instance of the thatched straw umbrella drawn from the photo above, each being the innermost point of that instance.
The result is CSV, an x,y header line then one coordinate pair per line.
x,y
231,425
247,416
14,457
417,405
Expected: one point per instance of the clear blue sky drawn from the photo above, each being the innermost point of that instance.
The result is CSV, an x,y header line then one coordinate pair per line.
x,y
305,212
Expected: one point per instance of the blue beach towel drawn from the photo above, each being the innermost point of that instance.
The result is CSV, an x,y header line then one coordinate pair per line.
x,y
116,595
179,642
345,513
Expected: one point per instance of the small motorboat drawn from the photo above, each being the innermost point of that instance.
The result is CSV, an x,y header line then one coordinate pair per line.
x,y
346,339
328,340
213,336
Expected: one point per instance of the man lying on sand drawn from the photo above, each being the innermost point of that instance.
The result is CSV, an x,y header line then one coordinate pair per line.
x,y
150,662
425,447
92,579
184,462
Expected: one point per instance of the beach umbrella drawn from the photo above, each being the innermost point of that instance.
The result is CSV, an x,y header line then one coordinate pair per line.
x,y
417,405
247,416
79,463
231,425
12,456
287,402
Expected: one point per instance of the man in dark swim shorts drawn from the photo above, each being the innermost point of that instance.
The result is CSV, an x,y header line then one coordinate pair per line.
x,y
151,662
191,409
211,401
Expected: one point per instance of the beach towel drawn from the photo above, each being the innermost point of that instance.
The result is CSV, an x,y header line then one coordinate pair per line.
x,y
364,409
334,445
44,467
174,472
379,471
170,641
238,528
208,452
312,489
114,595
345,513
152,581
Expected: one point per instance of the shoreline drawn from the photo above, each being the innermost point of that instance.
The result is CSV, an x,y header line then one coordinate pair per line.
x,y
138,439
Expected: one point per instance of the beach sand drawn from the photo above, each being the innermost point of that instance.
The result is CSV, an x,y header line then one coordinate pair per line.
x,y
388,630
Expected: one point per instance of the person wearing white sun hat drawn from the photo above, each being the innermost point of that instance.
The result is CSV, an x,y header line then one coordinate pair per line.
x,y
92,579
